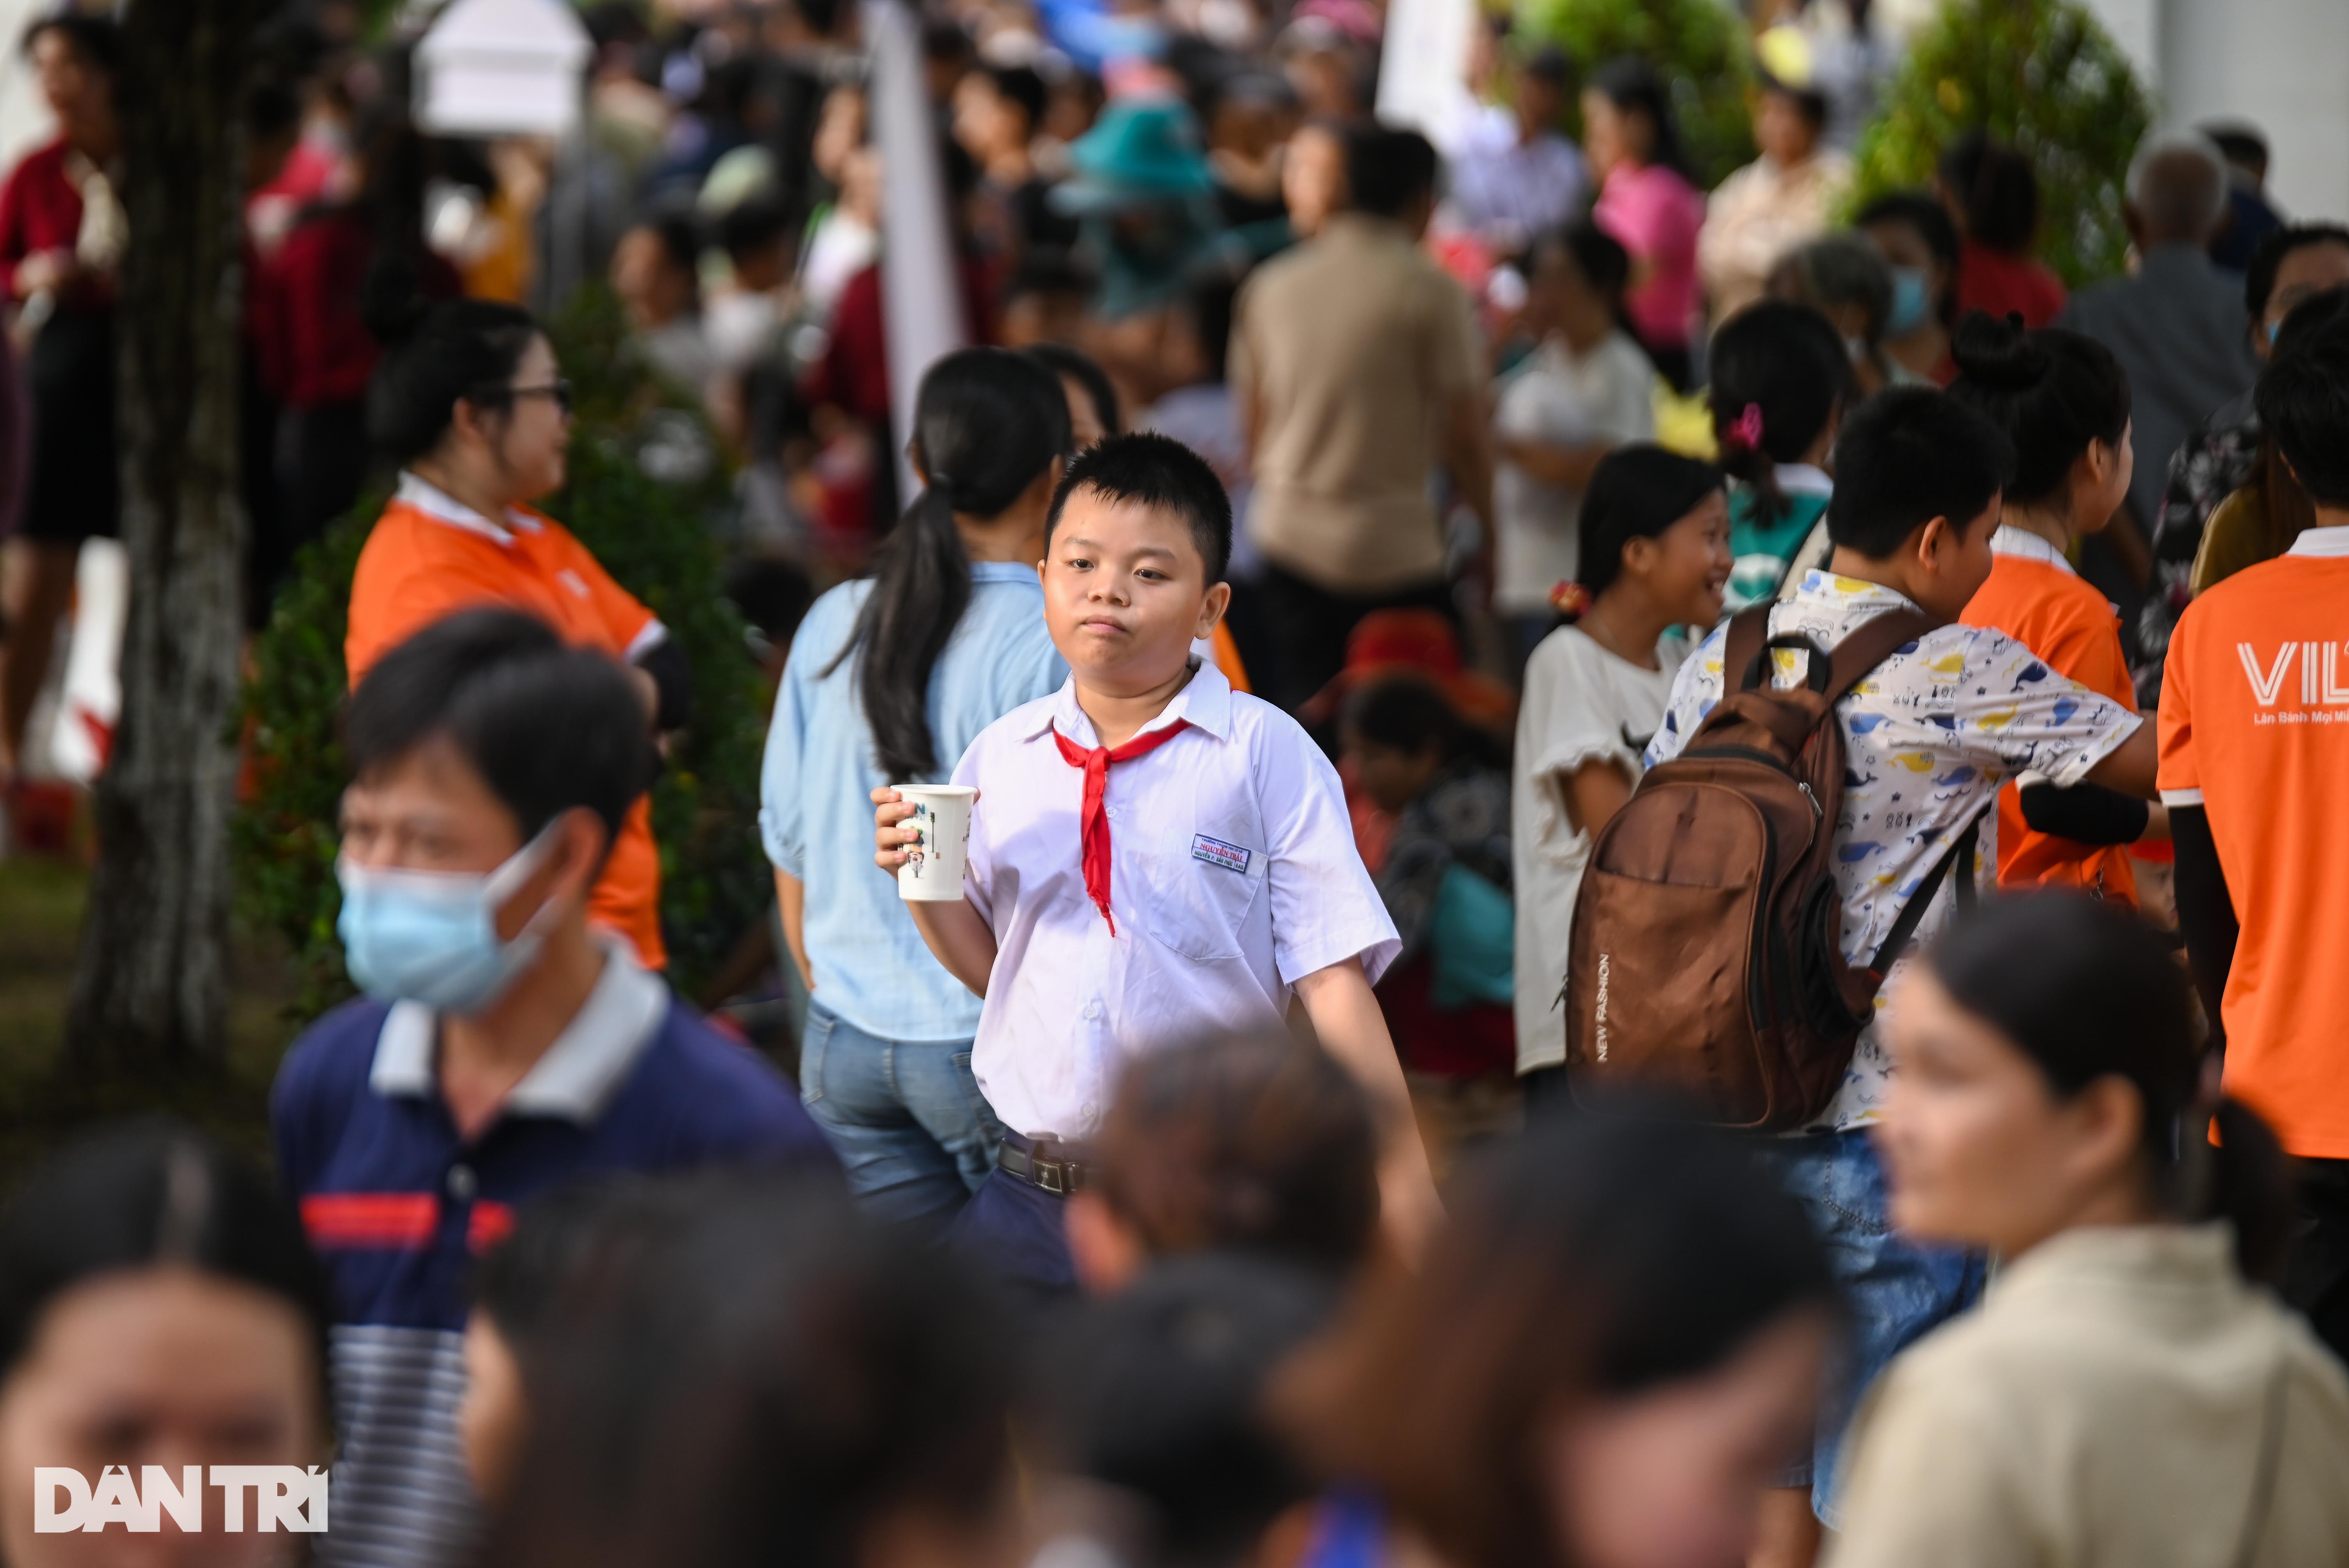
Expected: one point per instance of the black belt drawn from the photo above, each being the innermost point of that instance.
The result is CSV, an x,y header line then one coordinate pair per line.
x,y
1049,1165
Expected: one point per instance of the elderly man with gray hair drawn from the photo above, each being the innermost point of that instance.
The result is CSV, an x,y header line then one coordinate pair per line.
x,y
2176,324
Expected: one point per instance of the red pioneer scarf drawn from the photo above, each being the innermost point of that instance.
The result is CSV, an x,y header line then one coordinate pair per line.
x,y
1094,821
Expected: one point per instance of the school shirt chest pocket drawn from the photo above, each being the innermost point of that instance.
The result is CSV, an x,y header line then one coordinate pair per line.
x,y
1206,875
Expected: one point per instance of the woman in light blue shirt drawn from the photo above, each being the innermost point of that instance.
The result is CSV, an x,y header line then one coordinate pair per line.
x,y
889,679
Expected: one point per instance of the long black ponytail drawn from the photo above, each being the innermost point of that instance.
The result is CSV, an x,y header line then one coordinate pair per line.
x,y
987,423
2087,992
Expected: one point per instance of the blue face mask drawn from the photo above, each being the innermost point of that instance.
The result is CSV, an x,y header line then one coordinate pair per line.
x,y
432,936
1911,298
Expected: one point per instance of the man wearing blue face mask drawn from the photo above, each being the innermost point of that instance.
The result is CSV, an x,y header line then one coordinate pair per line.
x,y
504,1047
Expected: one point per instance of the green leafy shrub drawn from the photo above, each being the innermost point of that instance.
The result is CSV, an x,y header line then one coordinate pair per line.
x,y
2043,75
653,536
1698,46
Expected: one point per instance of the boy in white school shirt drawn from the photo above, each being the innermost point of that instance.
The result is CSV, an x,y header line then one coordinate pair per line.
x,y
1155,859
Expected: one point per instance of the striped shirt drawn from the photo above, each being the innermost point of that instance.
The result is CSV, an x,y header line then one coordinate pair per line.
x,y
398,1204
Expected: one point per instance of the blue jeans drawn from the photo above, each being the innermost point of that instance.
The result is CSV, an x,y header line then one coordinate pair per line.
x,y
905,1117
1895,1292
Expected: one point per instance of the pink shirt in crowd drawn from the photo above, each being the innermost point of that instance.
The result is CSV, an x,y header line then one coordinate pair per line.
x,y
1656,215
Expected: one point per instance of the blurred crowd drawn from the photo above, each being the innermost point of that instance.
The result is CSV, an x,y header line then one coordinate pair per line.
x,y
1457,458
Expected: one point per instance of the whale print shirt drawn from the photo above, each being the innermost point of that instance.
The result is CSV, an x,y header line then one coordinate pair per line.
x,y
1929,738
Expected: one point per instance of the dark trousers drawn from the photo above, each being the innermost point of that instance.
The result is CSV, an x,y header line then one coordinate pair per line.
x,y
1305,627
2316,1273
1016,1234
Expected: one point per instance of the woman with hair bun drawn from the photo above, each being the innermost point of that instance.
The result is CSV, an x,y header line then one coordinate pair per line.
x,y
1654,559
2126,1394
2063,402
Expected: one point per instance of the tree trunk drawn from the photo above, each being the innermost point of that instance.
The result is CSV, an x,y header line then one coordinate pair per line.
x,y
150,990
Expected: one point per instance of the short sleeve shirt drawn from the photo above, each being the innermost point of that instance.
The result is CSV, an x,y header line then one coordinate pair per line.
x,y
1233,875
1581,705
1563,398
2035,597
430,556
1928,739
2255,730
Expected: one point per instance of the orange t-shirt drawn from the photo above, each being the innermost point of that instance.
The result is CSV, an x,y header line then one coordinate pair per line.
x,y
2255,730
430,556
2033,596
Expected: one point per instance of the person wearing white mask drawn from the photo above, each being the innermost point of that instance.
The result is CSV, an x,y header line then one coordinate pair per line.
x,y
505,1047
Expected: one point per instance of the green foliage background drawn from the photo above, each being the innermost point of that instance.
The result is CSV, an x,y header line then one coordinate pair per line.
x,y
653,537
2041,74
1699,47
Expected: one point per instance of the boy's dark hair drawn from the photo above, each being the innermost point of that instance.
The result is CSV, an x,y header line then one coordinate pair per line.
x,y
1081,367
1906,457
2239,143
1156,471
548,727
1160,1391
2303,403
2267,260
1242,1144
1407,712
1919,212
753,223
1388,169
679,229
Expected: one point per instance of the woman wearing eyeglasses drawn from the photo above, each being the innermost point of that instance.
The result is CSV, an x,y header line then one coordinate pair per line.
x,y
473,410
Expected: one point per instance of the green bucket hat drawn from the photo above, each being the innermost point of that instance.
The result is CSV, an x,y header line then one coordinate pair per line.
x,y
1140,152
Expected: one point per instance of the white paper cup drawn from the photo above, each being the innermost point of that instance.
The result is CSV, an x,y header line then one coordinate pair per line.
x,y
935,864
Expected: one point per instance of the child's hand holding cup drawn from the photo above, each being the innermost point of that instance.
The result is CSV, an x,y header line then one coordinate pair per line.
x,y
921,833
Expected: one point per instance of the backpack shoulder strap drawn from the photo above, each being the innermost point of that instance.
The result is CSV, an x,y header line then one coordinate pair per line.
x,y
1874,641
1749,632
1958,857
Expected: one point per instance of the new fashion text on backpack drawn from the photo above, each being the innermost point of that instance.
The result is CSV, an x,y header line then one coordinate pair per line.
x,y
1705,960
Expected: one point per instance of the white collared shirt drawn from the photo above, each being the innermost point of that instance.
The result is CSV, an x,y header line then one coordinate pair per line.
x,y
2322,542
2025,545
1233,875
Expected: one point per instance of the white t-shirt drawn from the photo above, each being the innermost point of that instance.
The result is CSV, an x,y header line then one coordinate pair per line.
x,y
1558,395
1581,704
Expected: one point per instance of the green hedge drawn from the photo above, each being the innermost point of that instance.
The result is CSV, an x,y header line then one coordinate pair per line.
x,y
2043,75
1700,47
654,538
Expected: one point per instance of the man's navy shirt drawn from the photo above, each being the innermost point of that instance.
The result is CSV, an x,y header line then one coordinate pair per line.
x,y
398,1204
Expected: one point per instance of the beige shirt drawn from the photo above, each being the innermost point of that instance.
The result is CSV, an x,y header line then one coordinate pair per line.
x,y
1349,348
2107,1407
1757,216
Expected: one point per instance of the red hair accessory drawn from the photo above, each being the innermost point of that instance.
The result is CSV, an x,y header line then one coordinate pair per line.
x,y
1571,600
1745,431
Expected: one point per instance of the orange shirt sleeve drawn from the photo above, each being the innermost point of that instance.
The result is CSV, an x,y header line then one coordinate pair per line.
x,y
623,616
2180,775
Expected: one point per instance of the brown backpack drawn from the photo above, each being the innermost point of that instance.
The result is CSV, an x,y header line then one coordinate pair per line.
x,y
1705,962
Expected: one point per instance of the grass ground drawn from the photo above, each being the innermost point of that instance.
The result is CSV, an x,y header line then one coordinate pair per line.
x,y
41,1105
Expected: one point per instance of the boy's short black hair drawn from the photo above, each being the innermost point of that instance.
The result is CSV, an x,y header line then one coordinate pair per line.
x,y
1906,457
1154,471
2268,259
548,727
2303,403
753,223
